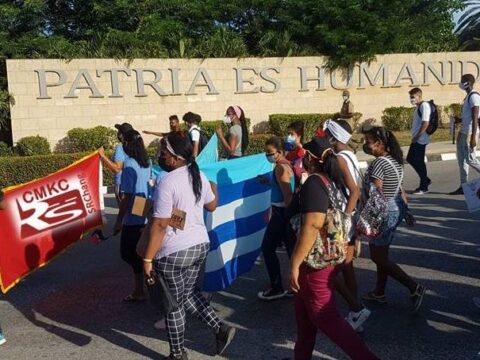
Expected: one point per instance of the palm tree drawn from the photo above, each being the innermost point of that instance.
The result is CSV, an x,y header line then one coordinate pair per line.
x,y
468,28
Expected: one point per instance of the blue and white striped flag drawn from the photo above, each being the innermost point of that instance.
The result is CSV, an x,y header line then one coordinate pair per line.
x,y
237,226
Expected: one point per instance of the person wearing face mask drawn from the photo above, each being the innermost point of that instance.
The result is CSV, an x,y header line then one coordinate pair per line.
x,y
420,139
338,134
174,127
346,112
295,151
135,182
315,306
178,242
468,136
277,232
115,165
386,174
237,142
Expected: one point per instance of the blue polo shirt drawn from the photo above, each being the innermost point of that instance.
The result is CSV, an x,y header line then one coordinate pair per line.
x,y
135,181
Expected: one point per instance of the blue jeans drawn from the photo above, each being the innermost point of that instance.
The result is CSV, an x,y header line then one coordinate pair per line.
x,y
396,212
465,157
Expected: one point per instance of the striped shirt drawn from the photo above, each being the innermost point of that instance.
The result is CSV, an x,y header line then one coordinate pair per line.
x,y
382,169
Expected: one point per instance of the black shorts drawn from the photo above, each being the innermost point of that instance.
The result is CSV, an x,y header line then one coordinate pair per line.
x,y
128,246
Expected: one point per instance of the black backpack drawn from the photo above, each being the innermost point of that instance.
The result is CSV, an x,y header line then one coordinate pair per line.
x,y
203,141
433,121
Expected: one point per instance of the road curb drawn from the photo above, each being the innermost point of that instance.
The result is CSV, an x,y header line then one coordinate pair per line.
x,y
428,158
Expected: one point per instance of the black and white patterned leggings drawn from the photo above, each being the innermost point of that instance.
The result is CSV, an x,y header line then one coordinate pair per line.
x,y
181,270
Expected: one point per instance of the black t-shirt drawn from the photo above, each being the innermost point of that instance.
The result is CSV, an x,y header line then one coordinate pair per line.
x,y
313,196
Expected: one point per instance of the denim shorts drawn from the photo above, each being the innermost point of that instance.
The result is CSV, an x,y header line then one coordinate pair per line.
x,y
396,212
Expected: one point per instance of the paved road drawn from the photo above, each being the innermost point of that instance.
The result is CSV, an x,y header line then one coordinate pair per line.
x,y
72,308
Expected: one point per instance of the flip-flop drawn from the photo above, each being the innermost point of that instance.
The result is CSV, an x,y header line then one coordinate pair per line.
x,y
131,298
371,296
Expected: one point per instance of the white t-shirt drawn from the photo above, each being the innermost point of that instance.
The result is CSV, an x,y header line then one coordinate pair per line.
x,y
352,163
194,134
467,112
174,191
417,122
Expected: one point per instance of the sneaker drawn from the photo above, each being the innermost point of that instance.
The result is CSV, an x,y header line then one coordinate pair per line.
x,y
476,301
2,339
160,324
420,192
417,297
224,337
271,294
459,191
371,296
356,319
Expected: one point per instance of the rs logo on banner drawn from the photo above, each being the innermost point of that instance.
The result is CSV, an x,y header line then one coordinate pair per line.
x,y
47,215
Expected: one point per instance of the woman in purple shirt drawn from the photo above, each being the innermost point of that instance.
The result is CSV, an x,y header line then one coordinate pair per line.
x,y
179,243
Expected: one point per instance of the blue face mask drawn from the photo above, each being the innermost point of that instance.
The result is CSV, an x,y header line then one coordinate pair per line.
x,y
289,146
270,158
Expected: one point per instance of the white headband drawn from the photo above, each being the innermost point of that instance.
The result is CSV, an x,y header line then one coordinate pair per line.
x,y
337,131
170,149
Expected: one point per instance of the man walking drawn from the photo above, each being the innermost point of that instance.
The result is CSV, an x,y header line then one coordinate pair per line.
x,y
468,136
420,139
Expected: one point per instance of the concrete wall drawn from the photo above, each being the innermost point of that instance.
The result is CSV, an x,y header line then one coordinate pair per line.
x,y
53,96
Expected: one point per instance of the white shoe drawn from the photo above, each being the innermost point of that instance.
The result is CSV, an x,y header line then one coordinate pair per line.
x,y
356,319
160,325
2,339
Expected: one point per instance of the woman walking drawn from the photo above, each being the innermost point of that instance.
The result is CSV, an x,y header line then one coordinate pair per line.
x,y
277,232
315,301
179,242
237,142
386,174
135,182
338,134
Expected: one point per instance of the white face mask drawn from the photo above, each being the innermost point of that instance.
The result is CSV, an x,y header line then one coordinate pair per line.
x,y
345,98
463,86
291,139
413,102
227,120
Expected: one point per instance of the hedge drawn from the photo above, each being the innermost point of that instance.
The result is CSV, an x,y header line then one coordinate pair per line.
x,y
398,118
32,145
84,140
18,170
279,122
5,150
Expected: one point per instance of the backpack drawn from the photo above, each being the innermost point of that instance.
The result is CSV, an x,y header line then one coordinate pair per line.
x,y
372,220
330,246
203,141
433,120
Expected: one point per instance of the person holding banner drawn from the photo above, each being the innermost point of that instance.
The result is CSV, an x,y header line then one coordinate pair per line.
x,y
115,165
277,233
3,206
315,307
237,142
179,243
135,182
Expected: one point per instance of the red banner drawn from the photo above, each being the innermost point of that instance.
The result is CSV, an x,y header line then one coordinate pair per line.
x,y
45,216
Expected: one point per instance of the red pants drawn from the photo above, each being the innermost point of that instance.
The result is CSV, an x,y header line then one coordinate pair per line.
x,y
315,309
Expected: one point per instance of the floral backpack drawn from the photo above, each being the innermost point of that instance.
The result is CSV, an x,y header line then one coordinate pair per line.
x,y
330,246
